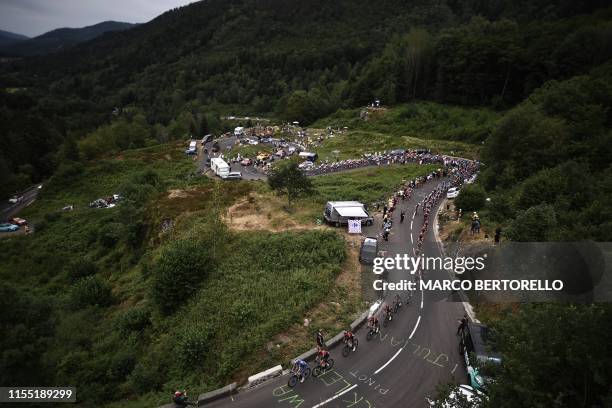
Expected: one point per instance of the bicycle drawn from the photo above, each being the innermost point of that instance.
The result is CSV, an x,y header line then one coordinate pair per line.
x,y
372,331
397,303
346,350
296,375
322,367
387,317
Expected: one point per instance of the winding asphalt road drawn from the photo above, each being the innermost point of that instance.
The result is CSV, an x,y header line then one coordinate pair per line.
x,y
8,210
398,368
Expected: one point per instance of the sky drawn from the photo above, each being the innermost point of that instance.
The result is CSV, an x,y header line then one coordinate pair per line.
x,y
35,17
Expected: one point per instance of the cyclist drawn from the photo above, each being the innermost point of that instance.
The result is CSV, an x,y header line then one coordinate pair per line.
x,y
320,340
300,365
398,300
387,310
402,215
323,356
349,339
373,324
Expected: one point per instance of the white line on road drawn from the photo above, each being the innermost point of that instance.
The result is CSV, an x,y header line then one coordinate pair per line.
x,y
415,327
400,350
422,297
388,362
411,224
334,397
411,240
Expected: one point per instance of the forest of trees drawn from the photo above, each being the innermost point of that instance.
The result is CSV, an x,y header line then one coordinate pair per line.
x,y
297,60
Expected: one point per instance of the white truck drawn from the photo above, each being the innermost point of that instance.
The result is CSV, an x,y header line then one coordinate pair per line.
x,y
220,167
340,212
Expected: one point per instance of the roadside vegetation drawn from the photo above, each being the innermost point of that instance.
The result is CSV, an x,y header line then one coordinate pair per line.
x,y
148,296
423,120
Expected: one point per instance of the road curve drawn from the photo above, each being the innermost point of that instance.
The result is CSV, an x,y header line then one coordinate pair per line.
x,y
399,368
8,210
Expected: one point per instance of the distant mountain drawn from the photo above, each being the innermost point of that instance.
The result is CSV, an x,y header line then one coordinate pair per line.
x,y
59,39
8,38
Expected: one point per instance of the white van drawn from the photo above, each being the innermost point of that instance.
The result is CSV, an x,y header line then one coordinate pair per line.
x,y
220,167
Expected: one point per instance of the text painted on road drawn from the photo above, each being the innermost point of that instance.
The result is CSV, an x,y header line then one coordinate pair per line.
x,y
352,398
432,357
369,381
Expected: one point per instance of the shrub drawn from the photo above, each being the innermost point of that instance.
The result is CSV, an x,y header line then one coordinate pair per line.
x,y
193,345
534,224
471,198
146,376
133,320
81,268
90,291
183,265
121,365
111,234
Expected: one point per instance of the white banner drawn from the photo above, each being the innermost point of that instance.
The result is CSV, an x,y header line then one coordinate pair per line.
x,y
354,226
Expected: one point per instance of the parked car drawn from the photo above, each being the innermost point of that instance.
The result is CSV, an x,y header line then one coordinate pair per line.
x,y
234,175
8,227
246,161
368,250
18,221
452,192
215,147
15,199
305,165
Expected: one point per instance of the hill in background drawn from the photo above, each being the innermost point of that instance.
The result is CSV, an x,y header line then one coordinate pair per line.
x,y
56,40
8,38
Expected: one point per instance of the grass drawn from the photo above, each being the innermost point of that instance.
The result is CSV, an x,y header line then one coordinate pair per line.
x,y
354,143
425,120
81,184
264,283
365,185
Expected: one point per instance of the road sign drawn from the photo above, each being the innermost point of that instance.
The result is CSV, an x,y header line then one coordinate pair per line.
x,y
354,226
